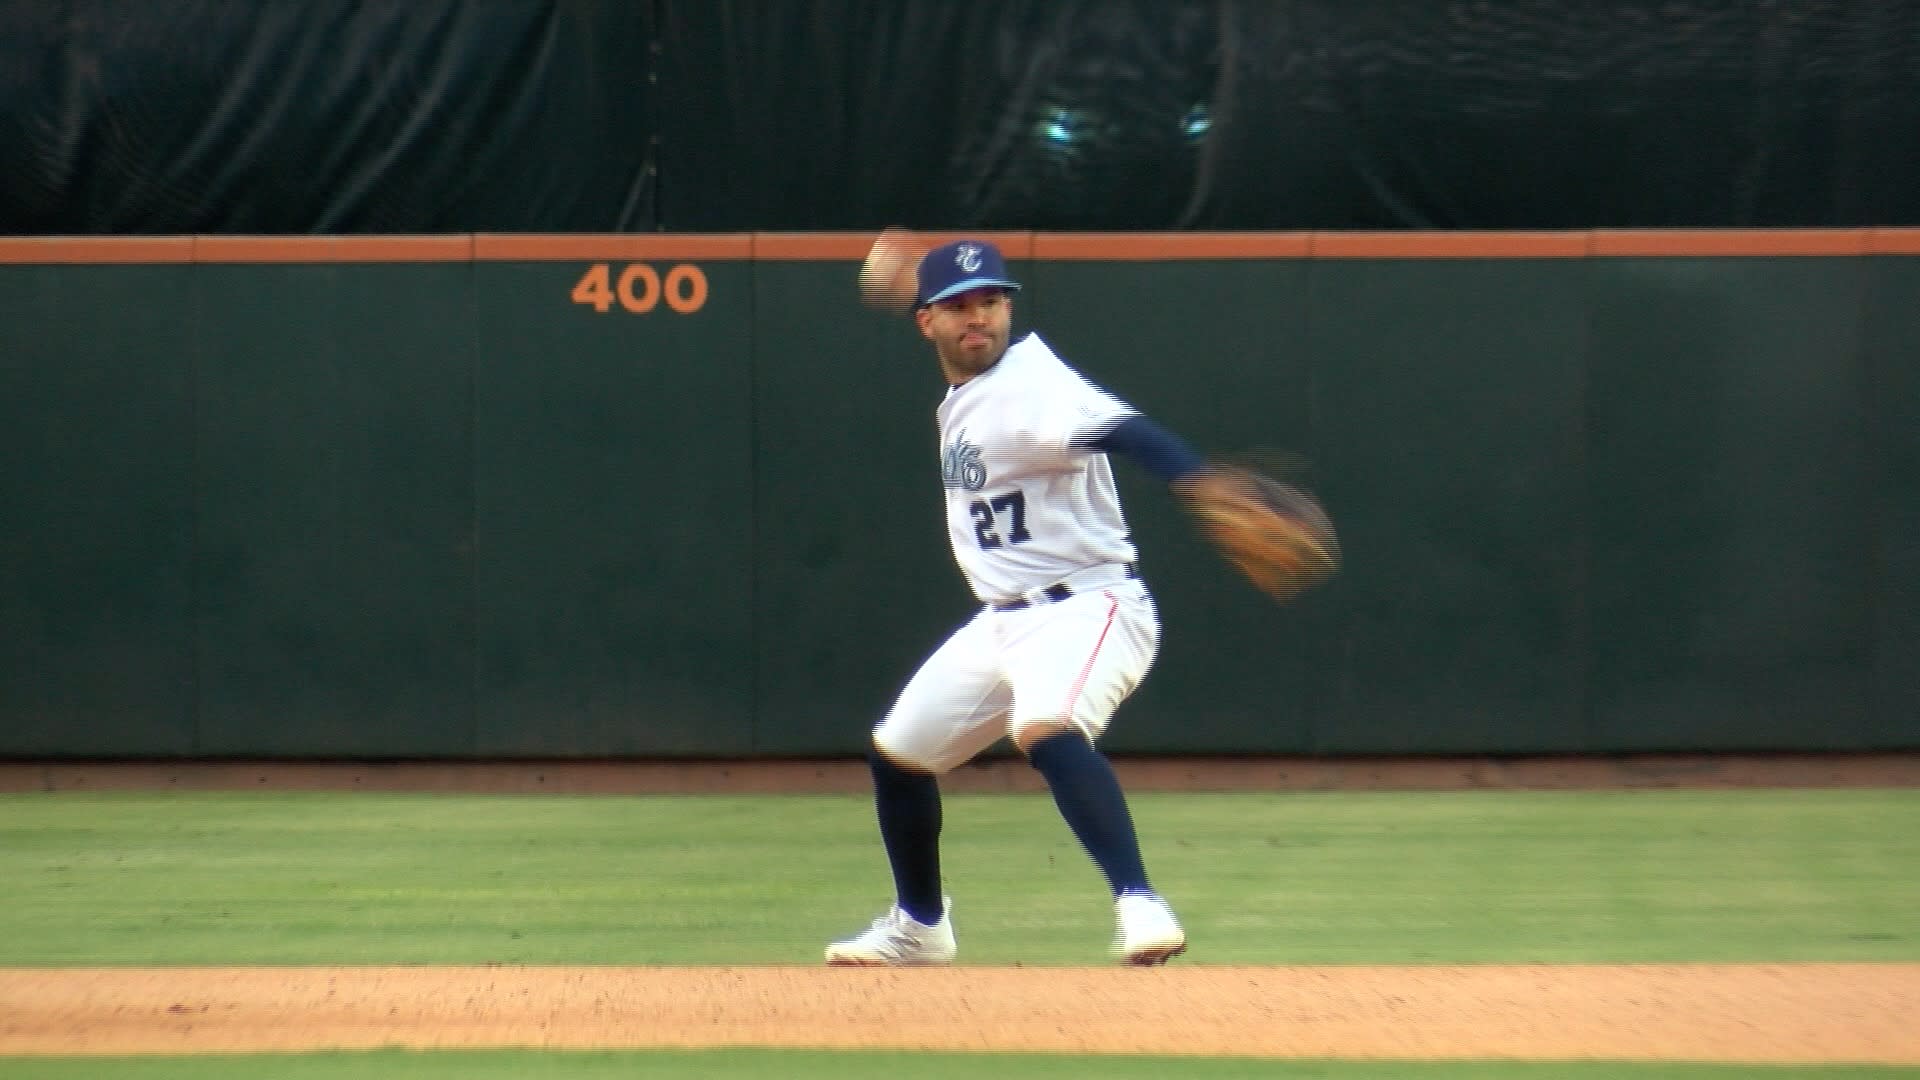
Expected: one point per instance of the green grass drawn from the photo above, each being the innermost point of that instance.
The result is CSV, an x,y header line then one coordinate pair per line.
x,y
1459,877
805,1065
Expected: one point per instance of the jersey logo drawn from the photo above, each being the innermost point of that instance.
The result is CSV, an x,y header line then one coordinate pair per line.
x,y
968,256
960,464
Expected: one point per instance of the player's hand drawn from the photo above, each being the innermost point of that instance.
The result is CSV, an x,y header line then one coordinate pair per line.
x,y
890,276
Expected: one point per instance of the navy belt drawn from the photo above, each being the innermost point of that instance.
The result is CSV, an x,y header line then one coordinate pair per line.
x,y
1053,593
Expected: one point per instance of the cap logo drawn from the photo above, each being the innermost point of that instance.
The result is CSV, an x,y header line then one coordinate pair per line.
x,y
961,265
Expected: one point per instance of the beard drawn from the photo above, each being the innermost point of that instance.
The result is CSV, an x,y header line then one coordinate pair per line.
x,y
956,355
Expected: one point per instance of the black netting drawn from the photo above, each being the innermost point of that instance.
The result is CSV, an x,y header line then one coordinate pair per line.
x,y
702,115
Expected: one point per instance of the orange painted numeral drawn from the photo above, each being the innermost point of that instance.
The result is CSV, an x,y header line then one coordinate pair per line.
x,y
686,289
592,289
639,288
649,288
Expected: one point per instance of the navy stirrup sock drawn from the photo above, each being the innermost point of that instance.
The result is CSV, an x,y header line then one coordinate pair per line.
x,y
908,805
1089,797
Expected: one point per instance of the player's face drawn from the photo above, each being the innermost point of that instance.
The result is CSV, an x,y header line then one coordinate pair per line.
x,y
968,331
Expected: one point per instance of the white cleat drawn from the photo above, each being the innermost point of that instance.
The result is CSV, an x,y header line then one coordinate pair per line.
x,y
1148,934
897,939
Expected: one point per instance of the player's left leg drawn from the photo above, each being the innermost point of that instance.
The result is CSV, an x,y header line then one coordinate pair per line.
x,y
1090,799
1071,666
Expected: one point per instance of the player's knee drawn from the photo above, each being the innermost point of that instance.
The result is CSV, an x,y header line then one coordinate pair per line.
x,y
1031,732
883,758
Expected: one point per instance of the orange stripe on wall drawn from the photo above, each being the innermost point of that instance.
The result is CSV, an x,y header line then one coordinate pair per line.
x,y
1449,245
852,246
332,249
1893,241
1711,242
20,250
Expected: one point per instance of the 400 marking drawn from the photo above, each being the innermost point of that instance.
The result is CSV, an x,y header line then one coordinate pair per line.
x,y
639,288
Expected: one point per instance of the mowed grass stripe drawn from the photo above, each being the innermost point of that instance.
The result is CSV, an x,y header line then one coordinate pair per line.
x,y
1260,878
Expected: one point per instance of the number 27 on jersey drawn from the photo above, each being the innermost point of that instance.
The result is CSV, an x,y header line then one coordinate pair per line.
x,y
987,515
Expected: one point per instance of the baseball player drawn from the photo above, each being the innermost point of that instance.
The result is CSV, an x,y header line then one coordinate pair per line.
x,y
1066,629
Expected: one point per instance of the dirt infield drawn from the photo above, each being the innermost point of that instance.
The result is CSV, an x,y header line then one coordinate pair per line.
x,y
1834,1013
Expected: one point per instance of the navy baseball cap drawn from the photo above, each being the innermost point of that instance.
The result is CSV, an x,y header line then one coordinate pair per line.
x,y
952,269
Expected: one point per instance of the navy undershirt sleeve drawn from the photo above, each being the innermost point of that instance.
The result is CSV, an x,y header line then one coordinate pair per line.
x,y
1151,446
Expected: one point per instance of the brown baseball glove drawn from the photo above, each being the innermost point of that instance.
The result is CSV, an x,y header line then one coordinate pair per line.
x,y
1277,535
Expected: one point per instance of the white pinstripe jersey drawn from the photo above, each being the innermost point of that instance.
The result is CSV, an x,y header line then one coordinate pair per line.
x,y
1024,507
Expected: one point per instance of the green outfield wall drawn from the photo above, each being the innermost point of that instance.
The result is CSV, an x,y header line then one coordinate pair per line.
x,y
679,497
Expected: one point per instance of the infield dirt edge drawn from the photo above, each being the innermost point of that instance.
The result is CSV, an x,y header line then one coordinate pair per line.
x,y
1770,1013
